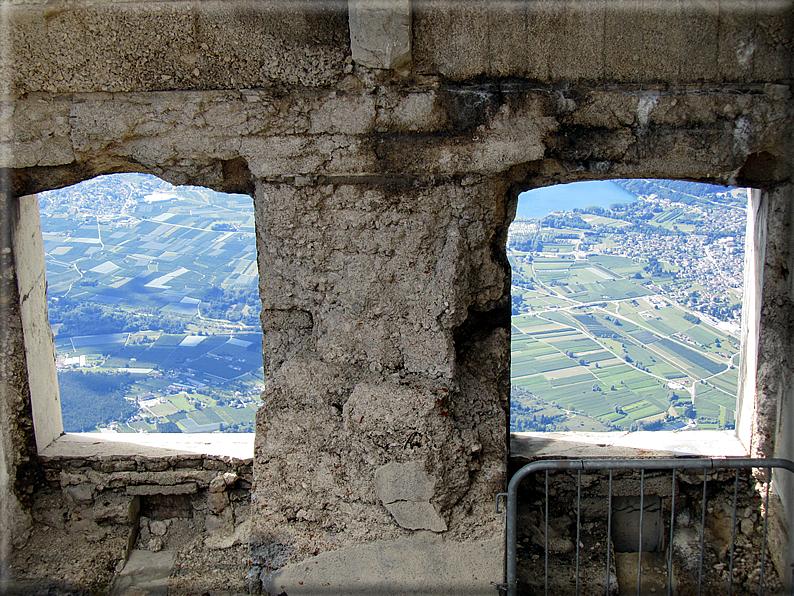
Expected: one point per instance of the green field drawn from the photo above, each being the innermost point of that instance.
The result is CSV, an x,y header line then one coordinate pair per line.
x,y
166,253
614,369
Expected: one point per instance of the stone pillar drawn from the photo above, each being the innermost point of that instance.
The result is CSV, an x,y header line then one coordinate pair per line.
x,y
381,443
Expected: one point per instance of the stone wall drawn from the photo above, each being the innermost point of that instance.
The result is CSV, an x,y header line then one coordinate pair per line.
x,y
92,511
646,42
664,550
18,472
144,45
383,185
774,415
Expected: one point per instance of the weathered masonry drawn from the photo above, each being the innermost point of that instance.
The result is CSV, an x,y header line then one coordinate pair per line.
x,y
384,143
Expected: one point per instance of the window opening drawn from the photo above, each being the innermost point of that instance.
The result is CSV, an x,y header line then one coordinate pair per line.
x,y
153,300
626,303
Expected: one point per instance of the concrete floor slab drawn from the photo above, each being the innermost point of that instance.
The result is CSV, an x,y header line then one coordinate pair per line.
x,y
145,574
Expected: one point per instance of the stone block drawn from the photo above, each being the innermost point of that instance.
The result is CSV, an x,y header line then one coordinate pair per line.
x,y
188,488
221,541
158,527
217,502
380,33
405,491
188,461
211,463
217,485
156,544
345,114
145,532
48,510
82,521
120,465
403,482
626,523
220,524
40,119
242,512
113,508
82,494
155,465
413,112
416,515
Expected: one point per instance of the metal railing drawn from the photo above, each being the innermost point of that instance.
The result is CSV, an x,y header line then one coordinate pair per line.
x,y
611,465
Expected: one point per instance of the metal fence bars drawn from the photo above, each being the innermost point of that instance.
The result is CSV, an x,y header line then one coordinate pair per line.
x,y
655,465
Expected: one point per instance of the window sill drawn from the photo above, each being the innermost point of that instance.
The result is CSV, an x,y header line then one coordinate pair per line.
x,y
97,445
641,444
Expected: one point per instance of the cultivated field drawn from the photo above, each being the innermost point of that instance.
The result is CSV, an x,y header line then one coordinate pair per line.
x,y
142,246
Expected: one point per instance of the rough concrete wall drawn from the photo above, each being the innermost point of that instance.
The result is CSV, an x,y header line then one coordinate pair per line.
x,y
93,511
18,474
390,432
218,139
602,41
148,46
773,428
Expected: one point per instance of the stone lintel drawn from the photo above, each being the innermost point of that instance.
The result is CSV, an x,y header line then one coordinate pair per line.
x,y
155,489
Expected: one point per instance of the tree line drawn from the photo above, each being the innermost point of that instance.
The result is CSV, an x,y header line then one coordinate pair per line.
x,y
92,399
91,318
217,303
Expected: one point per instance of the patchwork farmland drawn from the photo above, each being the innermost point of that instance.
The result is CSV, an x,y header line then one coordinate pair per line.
x,y
609,337
172,272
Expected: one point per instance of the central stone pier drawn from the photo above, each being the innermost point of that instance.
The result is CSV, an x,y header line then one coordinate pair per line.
x,y
381,443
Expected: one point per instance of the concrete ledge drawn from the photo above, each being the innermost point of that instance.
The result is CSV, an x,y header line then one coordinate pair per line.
x,y
642,444
98,445
424,564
